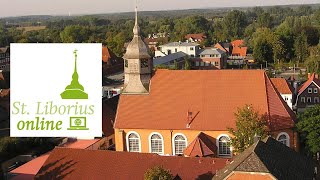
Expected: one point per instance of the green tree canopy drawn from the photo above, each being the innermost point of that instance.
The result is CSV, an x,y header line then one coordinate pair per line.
x,y
248,124
158,173
309,128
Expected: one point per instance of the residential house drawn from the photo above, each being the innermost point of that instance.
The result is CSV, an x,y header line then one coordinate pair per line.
x,y
209,58
308,94
239,50
169,60
268,159
224,46
4,99
110,62
285,89
153,42
173,47
195,38
65,163
5,58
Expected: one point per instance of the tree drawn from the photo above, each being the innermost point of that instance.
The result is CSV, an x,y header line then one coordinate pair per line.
x,y
187,65
234,24
313,61
301,47
248,124
158,173
265,20
309,128
175,65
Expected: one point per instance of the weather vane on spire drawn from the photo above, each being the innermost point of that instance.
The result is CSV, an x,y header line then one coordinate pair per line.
x,y
136,29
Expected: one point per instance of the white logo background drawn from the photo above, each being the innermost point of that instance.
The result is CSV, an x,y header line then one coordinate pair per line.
x,y
41,72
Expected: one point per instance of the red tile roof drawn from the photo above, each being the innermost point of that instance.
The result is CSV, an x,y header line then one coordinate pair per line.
x,y
282,85
219,46
239,51
237,43
199,36
308,82
30,169
109,109
105,54
213,96
201,146
97,164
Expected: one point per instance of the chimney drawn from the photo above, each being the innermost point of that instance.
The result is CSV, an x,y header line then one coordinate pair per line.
x,y
309,75
256,138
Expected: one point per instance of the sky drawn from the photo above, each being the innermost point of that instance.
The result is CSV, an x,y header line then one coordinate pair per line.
x,y
76,7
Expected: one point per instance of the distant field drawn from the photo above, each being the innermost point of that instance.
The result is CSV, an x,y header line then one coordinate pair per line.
x,y
32,28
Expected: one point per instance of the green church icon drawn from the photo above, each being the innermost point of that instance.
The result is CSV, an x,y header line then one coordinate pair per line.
x,y
75,90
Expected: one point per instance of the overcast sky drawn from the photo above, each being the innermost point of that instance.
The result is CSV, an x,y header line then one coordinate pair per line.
x,y
63,7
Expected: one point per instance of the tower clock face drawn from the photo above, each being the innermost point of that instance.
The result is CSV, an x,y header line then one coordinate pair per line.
x,y
144,63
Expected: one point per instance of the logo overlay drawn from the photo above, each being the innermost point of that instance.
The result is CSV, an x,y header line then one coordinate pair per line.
x,y
56,90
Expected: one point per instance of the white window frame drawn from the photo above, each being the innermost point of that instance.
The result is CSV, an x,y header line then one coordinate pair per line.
x,y
173,142
162,143
309,100
287,136
217,144
127,140
316,99
303,99
309,90
315,90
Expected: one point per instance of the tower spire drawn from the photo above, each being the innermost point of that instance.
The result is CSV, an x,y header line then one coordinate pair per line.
x,y
136,28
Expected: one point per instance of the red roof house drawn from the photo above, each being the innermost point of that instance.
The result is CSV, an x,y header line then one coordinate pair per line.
x,y
196,37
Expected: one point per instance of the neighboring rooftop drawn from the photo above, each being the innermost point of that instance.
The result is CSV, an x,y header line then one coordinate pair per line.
x,y
211,96
180,44
209,51
237,43
282,85
199,36
109,109
201,146
30,169
270,157
169,58
312,79
64,163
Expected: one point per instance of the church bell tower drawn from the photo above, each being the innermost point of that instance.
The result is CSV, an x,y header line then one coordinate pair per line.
x,y
137,64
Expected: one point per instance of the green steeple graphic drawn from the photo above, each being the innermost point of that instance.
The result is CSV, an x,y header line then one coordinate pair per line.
x,y
75,90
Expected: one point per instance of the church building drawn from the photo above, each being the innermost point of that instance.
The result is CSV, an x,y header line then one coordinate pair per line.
x,y
187,112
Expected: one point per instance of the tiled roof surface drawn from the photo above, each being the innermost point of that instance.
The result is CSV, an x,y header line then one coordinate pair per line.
x,y
30,169
169,58
237,43
66,163
308,82
282,85
219,46
241,51
209,51
212,96
179,44
105,54
201,146
109,109
270,156
199,36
